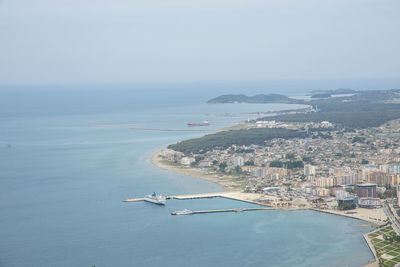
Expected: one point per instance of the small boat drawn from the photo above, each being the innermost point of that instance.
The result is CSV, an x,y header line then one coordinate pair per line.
x,y
182,212
205,123
156,199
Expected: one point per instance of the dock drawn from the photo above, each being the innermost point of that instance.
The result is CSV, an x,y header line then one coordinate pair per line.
x,y
238,196
181,197
217,211
133,200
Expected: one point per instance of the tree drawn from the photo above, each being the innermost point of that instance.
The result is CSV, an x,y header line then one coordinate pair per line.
x,y
294,164
276,164
306,159
198,158
249,163
289,156
364,161
222,166
346,206
238,170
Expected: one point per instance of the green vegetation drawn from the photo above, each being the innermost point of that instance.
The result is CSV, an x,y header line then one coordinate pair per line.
x,y
306,159
249,163
287,164
289,156
261,98
223,166
321,95
244,150
276,164
357,119
294,164
346,206
358,139
390,192
362,110
387,246
254,136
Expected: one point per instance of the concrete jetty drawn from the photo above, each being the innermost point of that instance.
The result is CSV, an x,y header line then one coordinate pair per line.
x,y
238,196
217,211
133,200
182,197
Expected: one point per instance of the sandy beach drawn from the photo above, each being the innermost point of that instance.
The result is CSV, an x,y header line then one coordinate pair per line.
x,y
227,183
235,185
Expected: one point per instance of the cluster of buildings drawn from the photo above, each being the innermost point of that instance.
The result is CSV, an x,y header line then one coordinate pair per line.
x,y
329,164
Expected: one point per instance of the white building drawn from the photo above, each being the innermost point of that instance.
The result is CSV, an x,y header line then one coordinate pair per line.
x,y
238,161
309,170
340,194
187,161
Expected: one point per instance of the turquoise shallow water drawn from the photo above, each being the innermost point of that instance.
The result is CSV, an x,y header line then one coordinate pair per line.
x,y
62,182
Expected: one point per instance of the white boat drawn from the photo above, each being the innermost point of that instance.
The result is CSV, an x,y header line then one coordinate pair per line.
x,y
183,212
156,199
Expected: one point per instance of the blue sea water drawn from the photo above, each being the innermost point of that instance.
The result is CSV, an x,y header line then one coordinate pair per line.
x,y
65,174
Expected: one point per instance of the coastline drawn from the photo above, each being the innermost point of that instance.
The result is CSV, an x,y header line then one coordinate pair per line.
x,y
230,185
375,217
231,189
227,183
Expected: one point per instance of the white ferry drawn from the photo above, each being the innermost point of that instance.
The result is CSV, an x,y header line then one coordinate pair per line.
x,y
183,212
156,199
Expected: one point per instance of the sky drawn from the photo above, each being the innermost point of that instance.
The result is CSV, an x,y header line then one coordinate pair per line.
x,y
99,41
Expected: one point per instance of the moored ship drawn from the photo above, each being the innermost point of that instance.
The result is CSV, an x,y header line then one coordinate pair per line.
x,y
205,123
156,199
182,212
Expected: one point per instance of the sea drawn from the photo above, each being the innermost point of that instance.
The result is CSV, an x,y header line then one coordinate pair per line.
x,y
70,154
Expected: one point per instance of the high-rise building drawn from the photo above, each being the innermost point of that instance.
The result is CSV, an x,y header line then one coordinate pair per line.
x,y
309,170
366,190
398,194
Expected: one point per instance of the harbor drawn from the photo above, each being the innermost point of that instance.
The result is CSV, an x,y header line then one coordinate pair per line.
x,y
373,216
238,196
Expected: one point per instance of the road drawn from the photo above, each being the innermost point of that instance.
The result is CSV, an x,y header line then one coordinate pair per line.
x,y
392,219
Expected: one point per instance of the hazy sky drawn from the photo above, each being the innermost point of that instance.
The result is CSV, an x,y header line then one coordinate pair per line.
x,y
73,41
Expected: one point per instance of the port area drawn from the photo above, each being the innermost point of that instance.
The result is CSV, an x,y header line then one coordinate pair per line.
x,y
268,201
229,195
376,217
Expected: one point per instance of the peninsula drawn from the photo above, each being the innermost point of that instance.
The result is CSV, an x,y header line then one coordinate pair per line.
x,y
341,156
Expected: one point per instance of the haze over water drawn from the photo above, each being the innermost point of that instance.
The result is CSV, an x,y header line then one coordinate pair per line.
x,y
62,182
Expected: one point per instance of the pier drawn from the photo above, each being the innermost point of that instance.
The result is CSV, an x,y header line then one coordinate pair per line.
x,y
238,196
182,197
133,200
217,211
